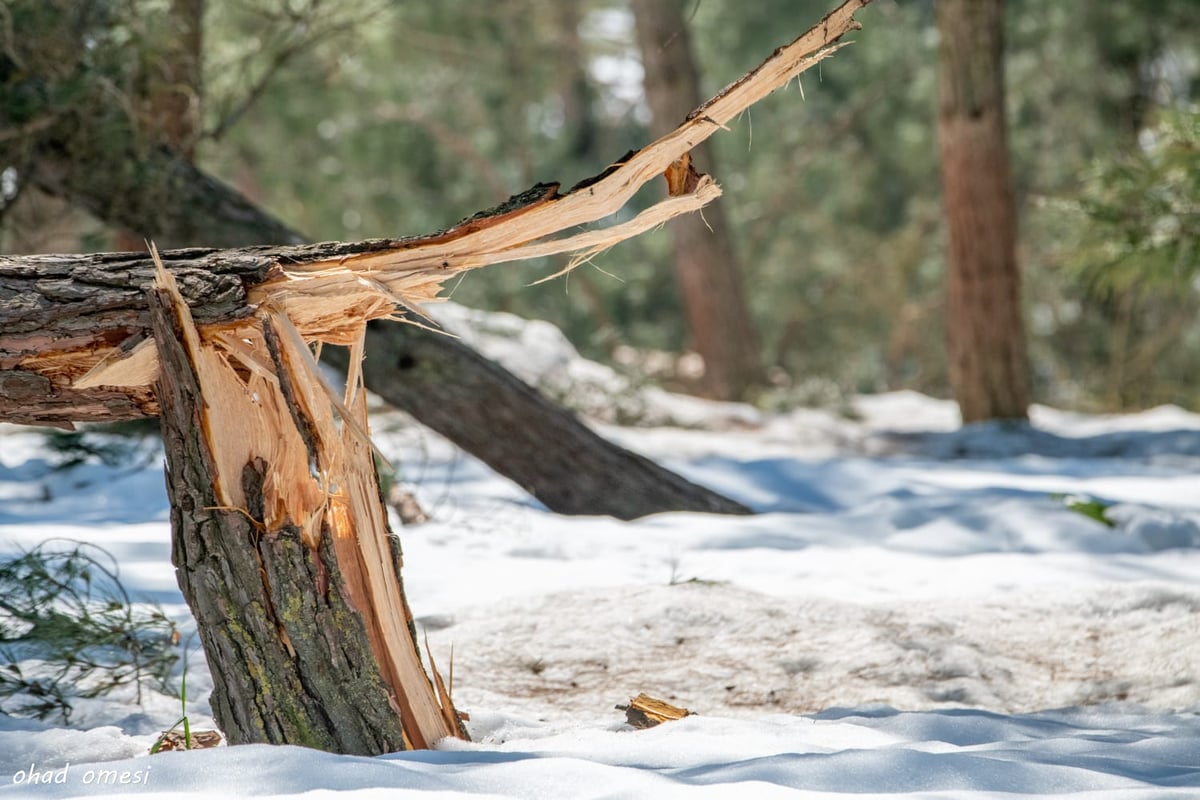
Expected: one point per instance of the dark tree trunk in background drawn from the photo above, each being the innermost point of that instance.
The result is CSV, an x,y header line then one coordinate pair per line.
x,y
178,99
155,192
561,462
989,370
173,84
580,125
707,270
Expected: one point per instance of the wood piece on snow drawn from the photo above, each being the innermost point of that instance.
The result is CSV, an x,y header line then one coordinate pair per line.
x,y
405,504
199,740
645,711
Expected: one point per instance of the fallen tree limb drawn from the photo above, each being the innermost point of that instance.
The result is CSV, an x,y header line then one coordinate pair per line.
x,y
434,377
75,342
280,537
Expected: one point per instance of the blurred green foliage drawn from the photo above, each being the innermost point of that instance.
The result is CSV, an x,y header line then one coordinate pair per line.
x,y
69,631
380,118
1140,229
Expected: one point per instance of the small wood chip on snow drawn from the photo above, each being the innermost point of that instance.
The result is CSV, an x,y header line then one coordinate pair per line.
x,y
645,711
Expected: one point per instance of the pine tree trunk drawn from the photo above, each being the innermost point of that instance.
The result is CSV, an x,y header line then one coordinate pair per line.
x,y
989,371
707,270
306,643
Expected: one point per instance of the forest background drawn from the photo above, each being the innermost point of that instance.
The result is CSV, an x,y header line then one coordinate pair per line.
x,y
375,118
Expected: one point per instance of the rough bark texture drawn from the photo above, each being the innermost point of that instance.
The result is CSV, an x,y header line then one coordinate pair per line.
x,y
48,303
707,270
290,657
107,167
52,303
561,462
988,365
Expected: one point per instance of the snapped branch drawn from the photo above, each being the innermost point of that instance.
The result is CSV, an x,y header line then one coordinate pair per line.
x,y
74,333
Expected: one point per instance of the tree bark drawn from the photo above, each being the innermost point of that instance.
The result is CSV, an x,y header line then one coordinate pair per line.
x,y
163,195
707,270
122,180
305,646
989,370
49,304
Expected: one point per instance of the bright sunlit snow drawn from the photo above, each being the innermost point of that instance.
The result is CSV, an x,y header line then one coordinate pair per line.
x,y
916,612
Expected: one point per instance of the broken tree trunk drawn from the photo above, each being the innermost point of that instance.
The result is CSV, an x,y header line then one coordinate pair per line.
x,y
281,542
94,302
73,342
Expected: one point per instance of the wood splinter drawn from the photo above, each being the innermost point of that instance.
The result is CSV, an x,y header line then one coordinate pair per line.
x,y
645,711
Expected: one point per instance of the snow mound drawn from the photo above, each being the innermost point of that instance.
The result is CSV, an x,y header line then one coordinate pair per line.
x,y
880,752
539,353
895,622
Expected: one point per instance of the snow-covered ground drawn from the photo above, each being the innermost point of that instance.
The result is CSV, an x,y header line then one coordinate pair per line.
x,y
915,612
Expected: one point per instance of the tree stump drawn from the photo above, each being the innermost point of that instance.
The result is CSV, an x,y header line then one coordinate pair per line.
x,y
281,544
280,538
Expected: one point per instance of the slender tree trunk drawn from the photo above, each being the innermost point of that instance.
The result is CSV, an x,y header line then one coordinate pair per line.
x,y
178,101
988,365
707,270
580,126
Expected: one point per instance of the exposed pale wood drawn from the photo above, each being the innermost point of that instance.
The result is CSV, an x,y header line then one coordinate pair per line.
x,y
79,317
645,711
270,471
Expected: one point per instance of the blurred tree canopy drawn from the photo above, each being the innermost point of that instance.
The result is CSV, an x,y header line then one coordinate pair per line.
x,y
378,117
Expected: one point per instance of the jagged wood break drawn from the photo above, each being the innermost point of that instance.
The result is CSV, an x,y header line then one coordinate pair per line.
x,y
271,475
280,537
74,339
